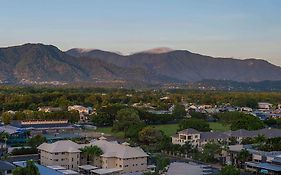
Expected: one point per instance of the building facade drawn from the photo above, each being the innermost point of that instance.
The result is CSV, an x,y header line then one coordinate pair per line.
x,y
68,154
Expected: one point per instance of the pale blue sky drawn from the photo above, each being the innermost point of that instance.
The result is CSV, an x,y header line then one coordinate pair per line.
x,y
232,28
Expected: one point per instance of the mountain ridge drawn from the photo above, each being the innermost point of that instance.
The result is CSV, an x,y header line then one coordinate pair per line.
x,y
37,63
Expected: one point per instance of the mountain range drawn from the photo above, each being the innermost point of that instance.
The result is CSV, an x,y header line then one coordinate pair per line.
x,y
46,64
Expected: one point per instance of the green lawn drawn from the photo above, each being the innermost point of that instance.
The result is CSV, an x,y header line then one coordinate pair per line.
x,y
108,130
215,126
168,129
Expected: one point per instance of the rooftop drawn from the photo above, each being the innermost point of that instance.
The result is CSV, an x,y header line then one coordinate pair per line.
x,y
267,166
106,171
179,168
5,166
110,149
87,167
69,172
189,131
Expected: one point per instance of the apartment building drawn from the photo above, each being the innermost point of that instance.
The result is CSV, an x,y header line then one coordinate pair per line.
x,y
63,153
122,158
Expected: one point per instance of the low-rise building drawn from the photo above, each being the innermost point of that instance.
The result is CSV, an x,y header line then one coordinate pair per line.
x,y
49,109
80,109
6,168
115,156
199,139
264,106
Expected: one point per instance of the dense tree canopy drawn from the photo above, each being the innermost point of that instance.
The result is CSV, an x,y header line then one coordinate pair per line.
x,y
179,111
150,135
229,170
29,169
197,124
126,118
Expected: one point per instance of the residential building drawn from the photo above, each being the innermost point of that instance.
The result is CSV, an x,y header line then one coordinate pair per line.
x,y
80,109
260,162
199,139
264,106
49,109
191,136
118,157
83,111
6,168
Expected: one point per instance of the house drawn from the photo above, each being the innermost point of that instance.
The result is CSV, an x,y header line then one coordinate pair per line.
x,y
6,168
83,111
191,136
264,106
246,109
49,109
116,158
16,135
80,109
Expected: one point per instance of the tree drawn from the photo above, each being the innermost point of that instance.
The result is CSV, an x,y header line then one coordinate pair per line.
x,y
19,171
125,118
4,136
197,124
209,152
179,111
37,140
247,122
102,119
242,157
6,118
161,163
229,170
150,135
30,168
133,131
91,152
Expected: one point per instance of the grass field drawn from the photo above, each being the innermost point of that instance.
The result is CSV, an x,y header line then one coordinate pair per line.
x,y
108,130
215,126
168,129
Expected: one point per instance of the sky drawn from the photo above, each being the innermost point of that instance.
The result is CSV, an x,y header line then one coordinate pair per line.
x,y
227,28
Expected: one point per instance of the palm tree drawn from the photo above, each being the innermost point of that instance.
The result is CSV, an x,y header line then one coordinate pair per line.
x,y
243,156
91,152
4,137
